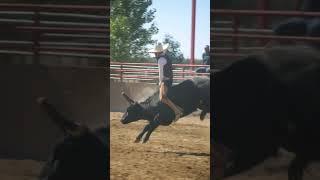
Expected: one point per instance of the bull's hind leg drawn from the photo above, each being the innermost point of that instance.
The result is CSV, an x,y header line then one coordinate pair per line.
x,y
145,129
296,167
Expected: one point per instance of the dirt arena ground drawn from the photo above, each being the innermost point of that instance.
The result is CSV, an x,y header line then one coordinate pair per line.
x,y
19,169
180,151
177,152
276,169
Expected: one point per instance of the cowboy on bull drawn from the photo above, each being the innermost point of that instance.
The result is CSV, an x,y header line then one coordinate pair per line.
x,y
165,77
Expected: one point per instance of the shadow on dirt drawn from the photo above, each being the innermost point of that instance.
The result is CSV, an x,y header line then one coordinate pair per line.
x,y
181,153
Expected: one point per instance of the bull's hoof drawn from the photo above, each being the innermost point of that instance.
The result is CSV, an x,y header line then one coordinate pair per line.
x,y
202,115
137,140
145,141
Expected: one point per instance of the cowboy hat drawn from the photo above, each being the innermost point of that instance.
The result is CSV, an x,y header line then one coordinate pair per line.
x,y
159,48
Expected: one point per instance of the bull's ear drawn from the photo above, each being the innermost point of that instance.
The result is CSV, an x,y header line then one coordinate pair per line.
x,y
127,98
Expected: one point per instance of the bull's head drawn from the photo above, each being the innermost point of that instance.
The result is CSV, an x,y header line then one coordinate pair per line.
x,y
81,154
133,113
237,148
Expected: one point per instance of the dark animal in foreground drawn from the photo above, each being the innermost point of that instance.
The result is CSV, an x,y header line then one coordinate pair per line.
x,y
189,95
203,70
299,27
82,154
266,101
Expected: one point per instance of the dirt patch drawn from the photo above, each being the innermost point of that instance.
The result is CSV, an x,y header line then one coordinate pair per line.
x,y
19,169
276,168
180,151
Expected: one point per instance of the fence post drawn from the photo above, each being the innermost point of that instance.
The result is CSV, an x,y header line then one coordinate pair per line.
x,y
235,40
262,20
36,37
183,69
121,73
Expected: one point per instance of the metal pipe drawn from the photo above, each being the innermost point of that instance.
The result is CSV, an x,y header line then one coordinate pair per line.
x,y
193,25
262,20
235,39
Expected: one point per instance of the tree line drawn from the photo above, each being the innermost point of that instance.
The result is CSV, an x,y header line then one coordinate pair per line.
x,y
132,27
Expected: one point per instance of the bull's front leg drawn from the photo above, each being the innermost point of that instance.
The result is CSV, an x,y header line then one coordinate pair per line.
x,y
203,114
296,167
205,109
153,125
145,129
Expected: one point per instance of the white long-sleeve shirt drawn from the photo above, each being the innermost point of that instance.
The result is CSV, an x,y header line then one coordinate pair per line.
x,y
161,62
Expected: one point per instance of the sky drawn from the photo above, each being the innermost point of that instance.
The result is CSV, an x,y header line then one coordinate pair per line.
x,y
174,17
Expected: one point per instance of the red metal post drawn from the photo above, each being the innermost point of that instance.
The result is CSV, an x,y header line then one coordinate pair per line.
x,y
121,73
262,20
36,37
193,25
183,72
235,40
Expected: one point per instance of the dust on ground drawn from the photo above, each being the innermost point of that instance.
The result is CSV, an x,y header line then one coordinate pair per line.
x,y
179,151
276,168
19,169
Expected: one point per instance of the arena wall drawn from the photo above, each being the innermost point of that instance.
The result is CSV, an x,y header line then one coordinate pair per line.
x,y
26,131
83,95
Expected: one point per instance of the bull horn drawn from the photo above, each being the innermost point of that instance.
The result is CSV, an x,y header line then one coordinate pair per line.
x,y
127,98
68,127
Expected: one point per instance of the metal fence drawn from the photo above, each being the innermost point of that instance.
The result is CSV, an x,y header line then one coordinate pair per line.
x,y
148,72
227,38
57,30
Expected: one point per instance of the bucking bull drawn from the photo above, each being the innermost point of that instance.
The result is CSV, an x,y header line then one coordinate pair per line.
x,y
263,102
189,95
81,154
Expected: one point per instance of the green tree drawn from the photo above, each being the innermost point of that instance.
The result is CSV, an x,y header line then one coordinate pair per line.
x,y
174,49
131,29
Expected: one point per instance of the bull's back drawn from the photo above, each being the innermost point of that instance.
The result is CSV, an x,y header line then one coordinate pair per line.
x,y
290,62
283,85
186,94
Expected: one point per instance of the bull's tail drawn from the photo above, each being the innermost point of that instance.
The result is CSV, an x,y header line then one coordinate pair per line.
x,y
57,118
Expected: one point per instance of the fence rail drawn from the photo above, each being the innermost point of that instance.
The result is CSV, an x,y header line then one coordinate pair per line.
x,y
148,72
53,7
231,41
56,30
237,13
